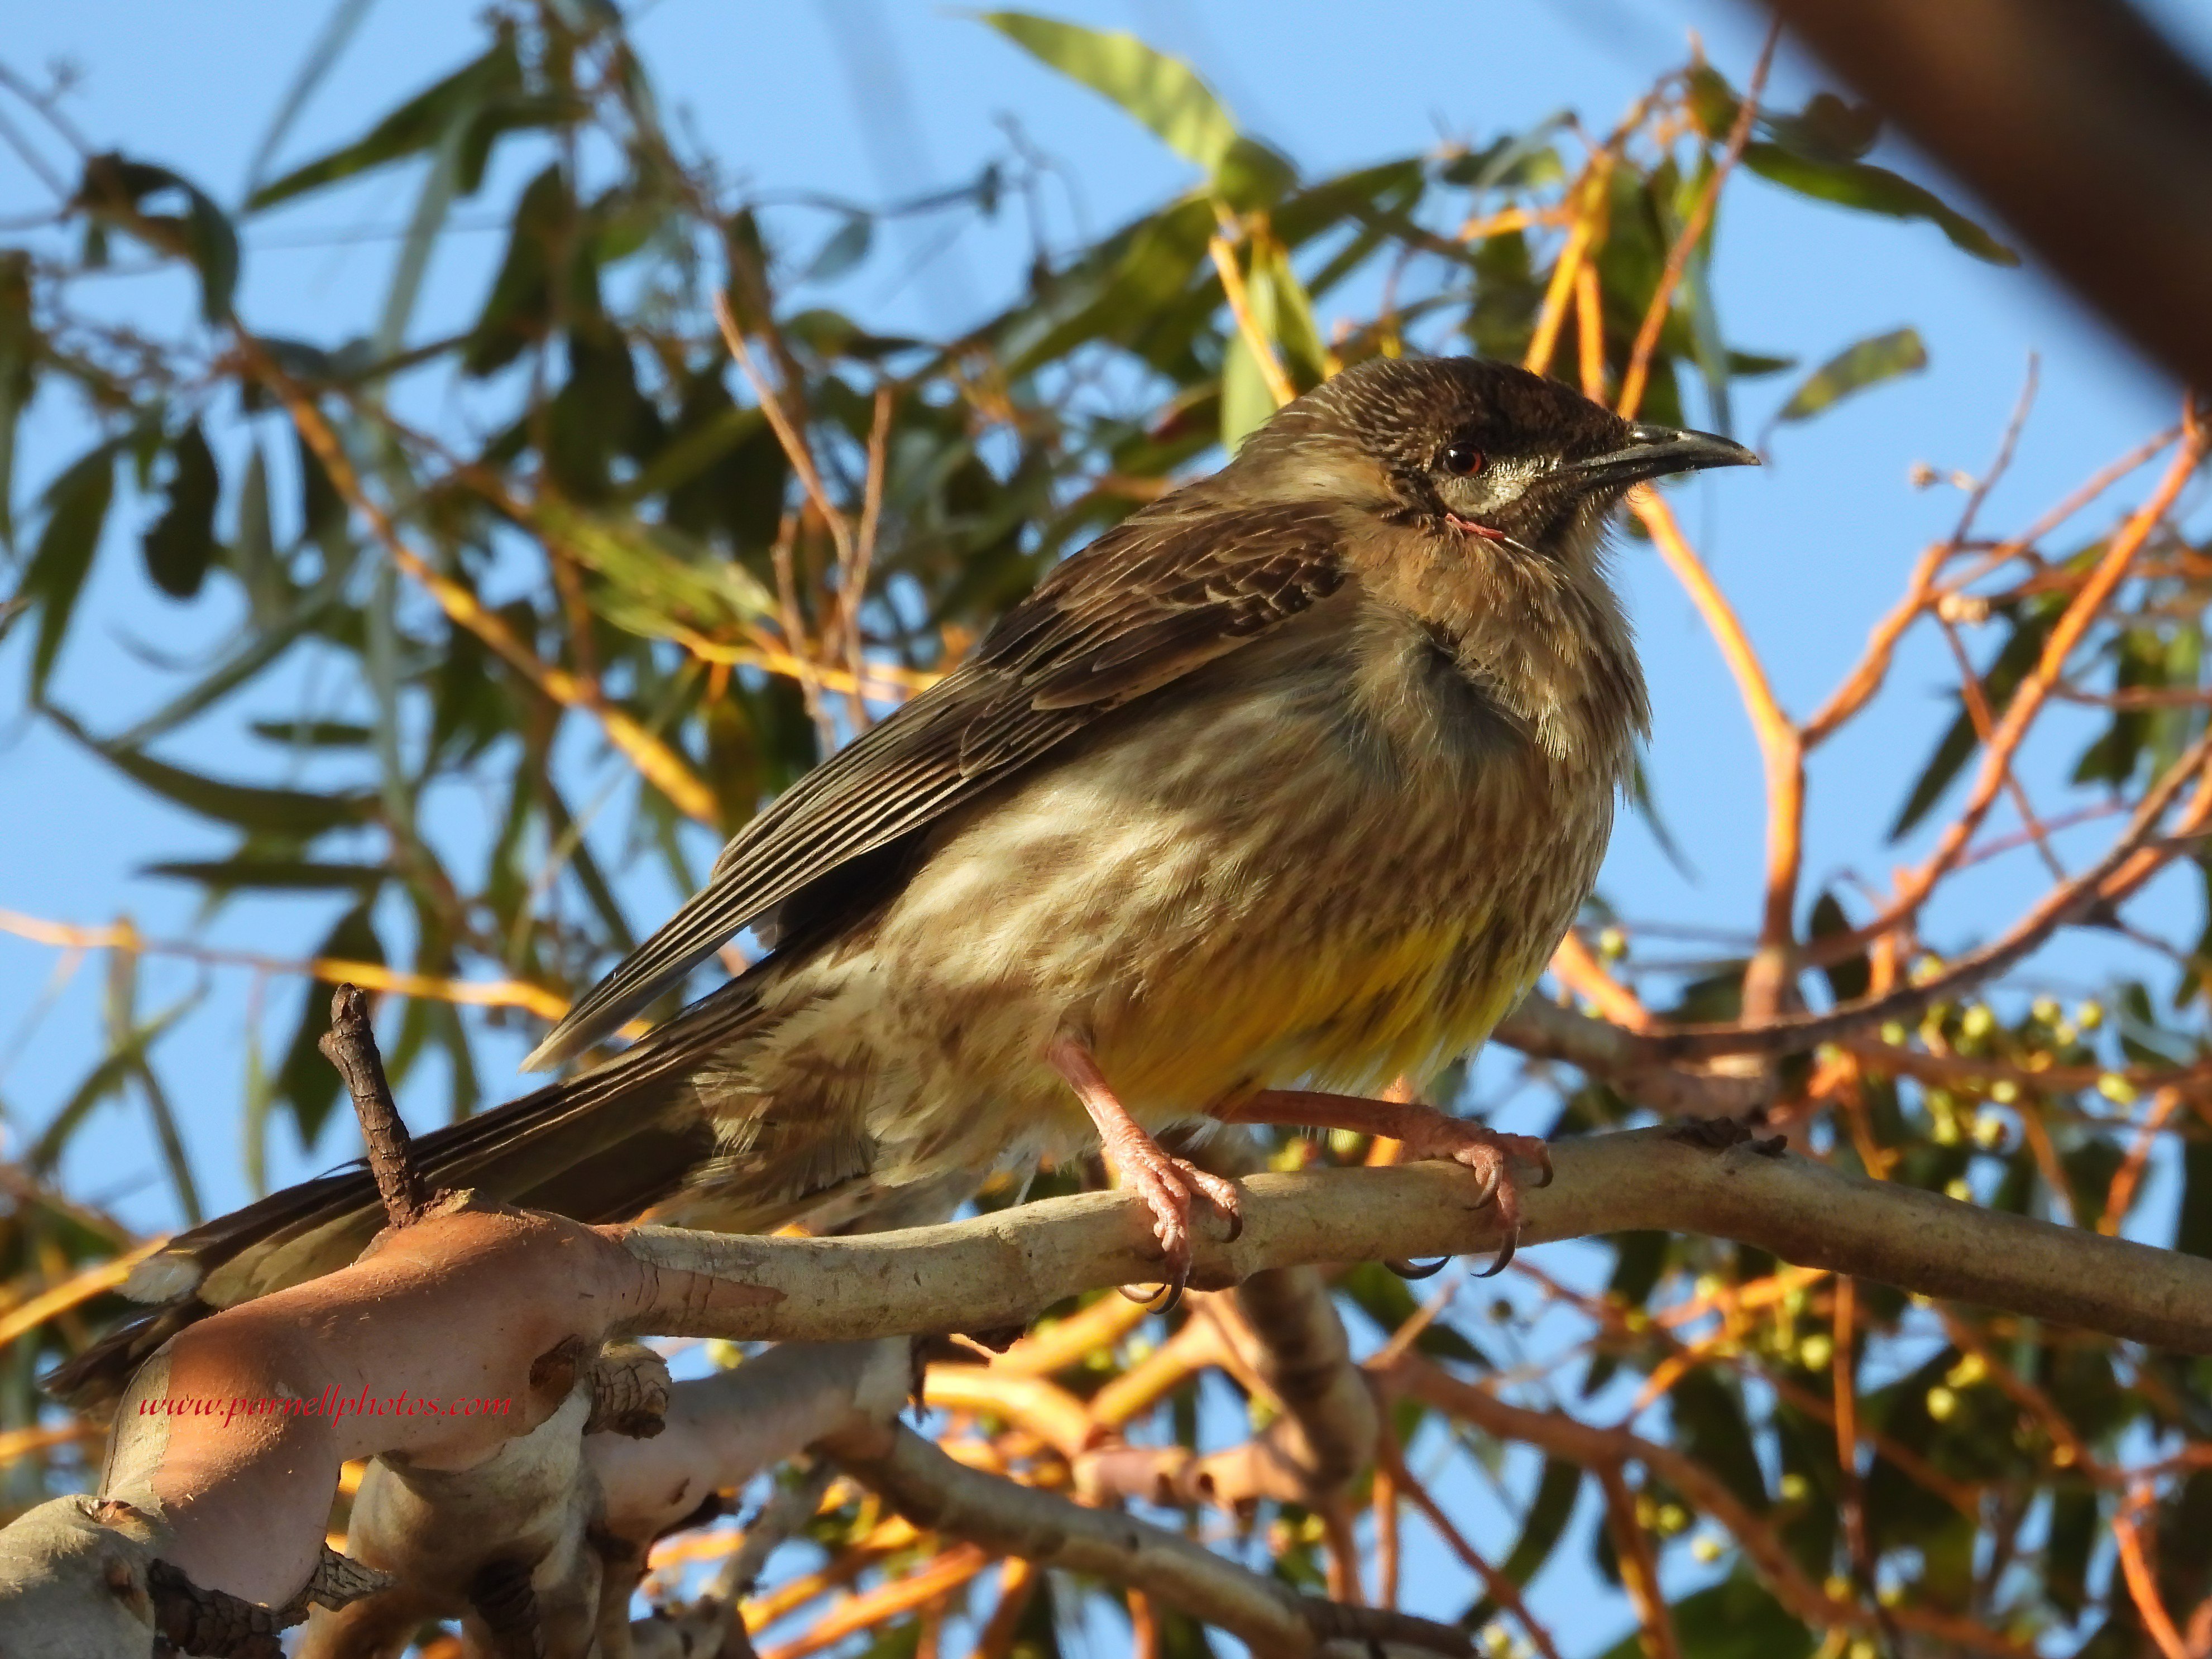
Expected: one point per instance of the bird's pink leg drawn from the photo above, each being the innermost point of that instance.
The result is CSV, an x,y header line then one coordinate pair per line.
x,y
1168,1185
1423,1131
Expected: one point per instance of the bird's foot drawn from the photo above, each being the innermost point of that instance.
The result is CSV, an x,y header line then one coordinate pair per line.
x,y
1168,1186
1491,1155
1421,1132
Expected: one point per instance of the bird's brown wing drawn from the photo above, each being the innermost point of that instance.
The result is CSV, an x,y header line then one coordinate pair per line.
x,y
1168,589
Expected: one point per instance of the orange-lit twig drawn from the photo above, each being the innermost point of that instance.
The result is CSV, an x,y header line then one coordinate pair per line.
x,y
1678,256
1639,1566
918,1588
73,1293
1873,668
1590,331
1247,323
1575,966
2120,1196
330,970
1018,1580
1779,744
1589,213
2143,1581
1500,1589
2066,633
662,766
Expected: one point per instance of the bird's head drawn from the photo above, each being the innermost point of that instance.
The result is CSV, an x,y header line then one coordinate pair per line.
x,y
1465,447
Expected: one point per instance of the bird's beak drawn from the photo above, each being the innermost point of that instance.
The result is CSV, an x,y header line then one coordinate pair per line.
x,y
1653,451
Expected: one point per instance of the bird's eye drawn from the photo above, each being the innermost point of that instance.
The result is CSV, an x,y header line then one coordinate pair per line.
x,y
1462,460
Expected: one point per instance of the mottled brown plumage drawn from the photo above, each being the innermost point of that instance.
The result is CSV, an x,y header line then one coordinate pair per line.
x,y
1293,778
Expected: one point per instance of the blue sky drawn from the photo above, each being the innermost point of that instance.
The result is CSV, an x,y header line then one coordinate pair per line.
x,y
875,99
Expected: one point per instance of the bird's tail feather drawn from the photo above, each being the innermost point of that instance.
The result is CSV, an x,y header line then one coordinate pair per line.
x,y
606,1146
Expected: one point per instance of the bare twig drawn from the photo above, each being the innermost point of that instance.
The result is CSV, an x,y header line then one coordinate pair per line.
x,y
667,771
1693,229
1003,1518
350,1046
1247,323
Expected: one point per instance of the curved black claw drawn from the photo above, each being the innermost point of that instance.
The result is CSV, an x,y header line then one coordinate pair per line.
x,y
1505,1256
1546,1181
1415,1269
1172,1298
1236,1227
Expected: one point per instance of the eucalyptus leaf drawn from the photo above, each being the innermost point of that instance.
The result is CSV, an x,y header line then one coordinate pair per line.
x,y
77,508
1873,189
843,252
417,125
117,190
293,812
21,347
1163,92
1863,364
180,543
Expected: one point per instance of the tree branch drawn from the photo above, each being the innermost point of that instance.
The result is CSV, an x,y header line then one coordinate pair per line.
x,y
243,1512
933,1491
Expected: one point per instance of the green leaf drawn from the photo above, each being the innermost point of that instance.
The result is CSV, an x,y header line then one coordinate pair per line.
x,y
253,549
1864,363
518,310
345,17
261,646
322,509
653,578
262,873
1849,979
107,1077
314,734
1246,400
21,347
1709,1425
1163,92
1873,189
76,509
843,251
115,190
1828,129
1957,745
289,812
1295,332
1735,1619
181,542
2192,1231
417,125
1383,1298
1549,1511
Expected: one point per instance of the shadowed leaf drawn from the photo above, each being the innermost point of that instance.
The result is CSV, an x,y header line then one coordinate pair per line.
x,y
1163,92
1862,364
181,542
77,508
1873,190
127,194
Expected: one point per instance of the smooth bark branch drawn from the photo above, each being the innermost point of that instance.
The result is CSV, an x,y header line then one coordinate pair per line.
x,y
470,1300
934,1492
1003,1269
1304,1355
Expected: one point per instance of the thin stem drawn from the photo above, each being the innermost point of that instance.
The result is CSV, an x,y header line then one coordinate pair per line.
x,y
1248,322
1693,229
